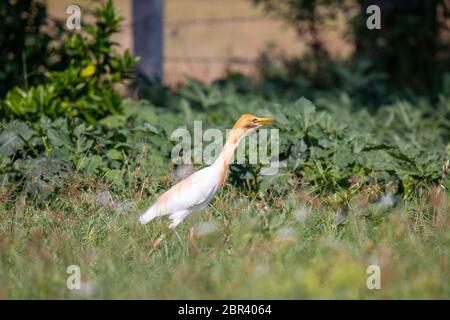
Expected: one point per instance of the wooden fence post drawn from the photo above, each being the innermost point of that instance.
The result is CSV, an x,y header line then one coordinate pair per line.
x,y
148,37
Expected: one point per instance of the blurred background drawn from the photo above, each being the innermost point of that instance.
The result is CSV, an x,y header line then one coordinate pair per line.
x,y
206,38
210,39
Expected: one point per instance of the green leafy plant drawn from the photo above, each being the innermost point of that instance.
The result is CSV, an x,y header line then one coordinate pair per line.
x,y
87,87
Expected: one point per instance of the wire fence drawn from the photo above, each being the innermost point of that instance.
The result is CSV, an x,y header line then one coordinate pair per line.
x,y
214,21
185,59
212,60
182,56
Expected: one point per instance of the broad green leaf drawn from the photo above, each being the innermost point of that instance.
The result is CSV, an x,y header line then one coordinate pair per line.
x,y
113,154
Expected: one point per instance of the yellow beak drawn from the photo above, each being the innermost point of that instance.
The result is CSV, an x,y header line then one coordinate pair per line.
x,y
264,121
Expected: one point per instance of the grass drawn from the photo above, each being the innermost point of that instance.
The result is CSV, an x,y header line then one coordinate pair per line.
x,y
239,247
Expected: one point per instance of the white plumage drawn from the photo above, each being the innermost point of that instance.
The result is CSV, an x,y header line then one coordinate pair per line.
x,y
192,194
196,191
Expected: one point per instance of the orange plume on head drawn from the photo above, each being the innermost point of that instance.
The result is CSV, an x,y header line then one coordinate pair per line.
x,y
248,121
246,124
244,121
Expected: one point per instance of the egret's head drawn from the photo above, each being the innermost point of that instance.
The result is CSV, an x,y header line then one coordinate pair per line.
x,y
249,123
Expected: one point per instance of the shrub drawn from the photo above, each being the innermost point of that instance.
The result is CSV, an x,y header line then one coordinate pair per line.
x,y
87,87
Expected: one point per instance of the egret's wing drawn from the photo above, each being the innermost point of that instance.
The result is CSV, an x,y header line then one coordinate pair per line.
x,y
189,193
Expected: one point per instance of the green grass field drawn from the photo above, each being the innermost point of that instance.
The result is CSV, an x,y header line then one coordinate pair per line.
x,y
288,248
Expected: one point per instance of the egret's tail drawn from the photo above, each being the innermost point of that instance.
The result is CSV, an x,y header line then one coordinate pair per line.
x,y
148,216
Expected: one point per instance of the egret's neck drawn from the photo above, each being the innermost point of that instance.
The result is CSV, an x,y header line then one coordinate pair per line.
x,y
224,158
226,155
230,146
